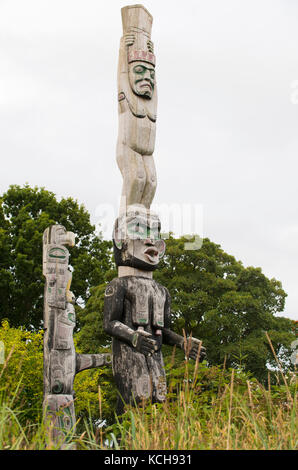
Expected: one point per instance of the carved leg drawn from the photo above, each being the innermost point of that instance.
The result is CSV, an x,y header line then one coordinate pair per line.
x,y
151,181
131,374
158,377
133,172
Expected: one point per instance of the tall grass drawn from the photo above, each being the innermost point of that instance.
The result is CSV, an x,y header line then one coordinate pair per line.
x,y
241,415
231,421
19,434
234,412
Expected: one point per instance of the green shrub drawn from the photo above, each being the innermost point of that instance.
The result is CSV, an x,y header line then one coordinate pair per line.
x,y
23,363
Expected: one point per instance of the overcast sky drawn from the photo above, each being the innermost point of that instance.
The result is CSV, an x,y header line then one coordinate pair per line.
x,y
227,129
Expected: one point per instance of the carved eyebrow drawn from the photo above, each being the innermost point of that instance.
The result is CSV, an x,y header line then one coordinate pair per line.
x,y
151,69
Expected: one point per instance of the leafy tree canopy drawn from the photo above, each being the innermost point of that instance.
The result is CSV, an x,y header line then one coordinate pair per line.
x,y
215,298
25,213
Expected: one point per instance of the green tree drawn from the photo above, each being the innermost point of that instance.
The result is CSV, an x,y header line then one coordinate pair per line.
x,y
92,336
21,375
25,213
218,300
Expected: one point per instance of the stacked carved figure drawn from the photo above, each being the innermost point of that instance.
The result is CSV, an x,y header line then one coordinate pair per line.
x,y
137,309
61,362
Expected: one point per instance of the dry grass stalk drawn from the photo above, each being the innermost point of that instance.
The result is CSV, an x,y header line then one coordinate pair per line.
x,y
230,410
280,368
6,361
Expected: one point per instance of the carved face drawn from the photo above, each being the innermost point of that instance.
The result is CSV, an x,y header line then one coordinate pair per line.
x,y
60,236
141,246
142,78
144,242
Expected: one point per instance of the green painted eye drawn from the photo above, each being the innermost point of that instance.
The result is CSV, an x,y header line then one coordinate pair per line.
x,y
139,69
132,229
57,252
136,230
152,74
154,234
143,231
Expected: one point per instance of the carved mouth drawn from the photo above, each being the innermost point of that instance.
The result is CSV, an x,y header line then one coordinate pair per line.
x,y
146,85
152,254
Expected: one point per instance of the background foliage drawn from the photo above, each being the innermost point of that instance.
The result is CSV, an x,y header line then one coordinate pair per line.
x,y
24,215
23,371
23,368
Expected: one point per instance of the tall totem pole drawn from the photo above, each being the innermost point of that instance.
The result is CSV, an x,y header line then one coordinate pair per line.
x,y
137,309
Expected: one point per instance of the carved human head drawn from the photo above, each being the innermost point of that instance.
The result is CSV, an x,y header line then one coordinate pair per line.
x,y
57,234
142,78
137,241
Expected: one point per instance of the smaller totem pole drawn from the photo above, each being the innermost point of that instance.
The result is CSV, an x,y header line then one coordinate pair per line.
x,y
61,362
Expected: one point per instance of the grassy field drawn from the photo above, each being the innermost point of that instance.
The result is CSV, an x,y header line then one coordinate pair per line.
x,y
206,409
231,421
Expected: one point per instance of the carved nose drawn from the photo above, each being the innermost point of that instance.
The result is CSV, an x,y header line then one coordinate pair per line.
x,y
147,75
149,241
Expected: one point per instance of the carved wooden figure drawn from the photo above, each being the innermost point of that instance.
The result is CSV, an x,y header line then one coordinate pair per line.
x,y
137,97
61,362
137,310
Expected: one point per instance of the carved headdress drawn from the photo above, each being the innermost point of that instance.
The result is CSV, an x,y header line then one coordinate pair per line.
x,y
137,22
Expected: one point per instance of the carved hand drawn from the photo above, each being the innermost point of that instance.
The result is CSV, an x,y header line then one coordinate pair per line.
x,y
144,344
150,46
194,348
129,39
